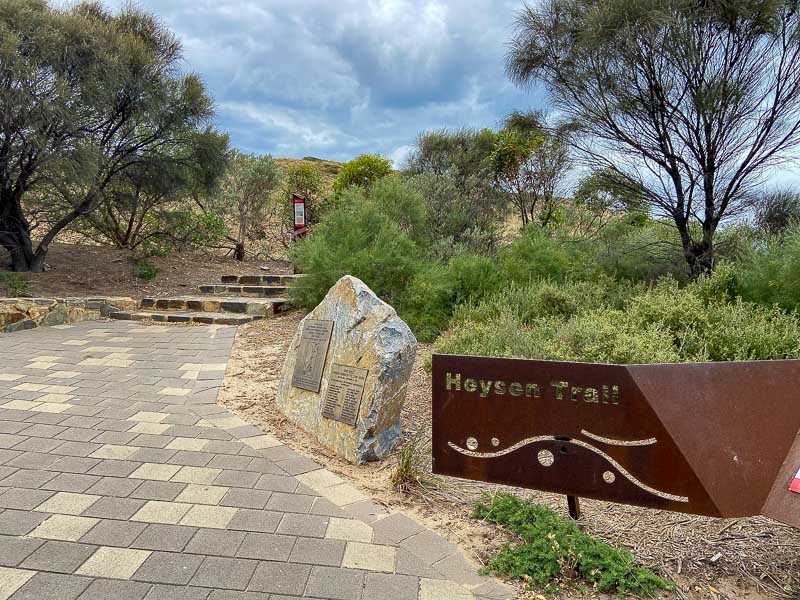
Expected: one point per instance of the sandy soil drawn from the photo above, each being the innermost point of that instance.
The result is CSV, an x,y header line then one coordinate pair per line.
x,y
747,559
84,270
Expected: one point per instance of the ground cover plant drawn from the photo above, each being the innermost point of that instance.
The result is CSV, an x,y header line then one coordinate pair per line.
x,y
624,323
16,284
552,552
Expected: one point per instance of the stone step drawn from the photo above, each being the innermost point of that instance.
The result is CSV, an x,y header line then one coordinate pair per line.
x,y
256,291
260,307
204,318
260,279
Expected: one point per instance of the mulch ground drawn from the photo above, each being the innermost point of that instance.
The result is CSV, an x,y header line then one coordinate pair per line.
x,y
733,559
84,270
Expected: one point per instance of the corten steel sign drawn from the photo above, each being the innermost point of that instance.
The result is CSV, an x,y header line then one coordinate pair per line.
x,y
716,439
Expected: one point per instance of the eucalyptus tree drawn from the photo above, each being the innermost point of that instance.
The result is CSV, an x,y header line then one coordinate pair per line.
x,y
86,95
450,168
692,103
154,203
245,197
530,162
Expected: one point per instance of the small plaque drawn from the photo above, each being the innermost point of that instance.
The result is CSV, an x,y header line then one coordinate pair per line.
x,y
311,355
343,398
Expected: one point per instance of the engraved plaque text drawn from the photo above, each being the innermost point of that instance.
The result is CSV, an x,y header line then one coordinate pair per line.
x,y
345,389
311,355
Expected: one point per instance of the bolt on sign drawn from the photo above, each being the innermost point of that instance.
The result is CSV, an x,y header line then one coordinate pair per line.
x,y
715,439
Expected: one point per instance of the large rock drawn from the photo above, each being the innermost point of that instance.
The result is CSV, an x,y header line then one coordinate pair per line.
x,y
57,316
10,314
367,334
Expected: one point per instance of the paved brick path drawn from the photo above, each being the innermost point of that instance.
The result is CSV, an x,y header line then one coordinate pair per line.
x,y
121,479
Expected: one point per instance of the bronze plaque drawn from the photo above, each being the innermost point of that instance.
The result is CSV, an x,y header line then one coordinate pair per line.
x,y
716,439
345,389
311,355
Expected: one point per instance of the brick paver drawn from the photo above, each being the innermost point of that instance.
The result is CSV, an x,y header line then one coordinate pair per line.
x,y
120,477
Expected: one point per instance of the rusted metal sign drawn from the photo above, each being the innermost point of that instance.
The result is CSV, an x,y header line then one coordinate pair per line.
x,y
345,390
311,355
716,439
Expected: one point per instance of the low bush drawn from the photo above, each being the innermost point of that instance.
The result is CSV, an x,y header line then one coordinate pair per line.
x,y
362,171
428,302
769,271
358,239
16,284
634,324
553,553
544,298
537,255
145,270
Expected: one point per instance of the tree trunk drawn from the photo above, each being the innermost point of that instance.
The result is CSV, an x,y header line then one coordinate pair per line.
x,y
15,235
699,257
22,259
238,252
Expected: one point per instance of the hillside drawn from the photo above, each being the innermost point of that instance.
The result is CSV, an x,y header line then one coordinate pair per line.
x,y
328,168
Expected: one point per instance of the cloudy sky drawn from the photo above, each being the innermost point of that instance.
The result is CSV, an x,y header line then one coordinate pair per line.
x,y
335,78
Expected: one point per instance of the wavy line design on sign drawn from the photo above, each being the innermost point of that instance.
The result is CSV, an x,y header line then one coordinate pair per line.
x,y
543,438
612,442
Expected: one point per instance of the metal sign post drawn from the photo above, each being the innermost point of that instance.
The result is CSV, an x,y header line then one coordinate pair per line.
x,y
716,439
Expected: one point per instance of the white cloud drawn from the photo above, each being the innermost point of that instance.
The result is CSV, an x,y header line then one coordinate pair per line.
x,y
335,79
400,156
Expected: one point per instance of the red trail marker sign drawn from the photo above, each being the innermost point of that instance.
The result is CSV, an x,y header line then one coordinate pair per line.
x,y
716,439
299,204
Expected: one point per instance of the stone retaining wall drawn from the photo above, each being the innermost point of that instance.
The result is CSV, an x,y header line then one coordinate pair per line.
x,y
17,314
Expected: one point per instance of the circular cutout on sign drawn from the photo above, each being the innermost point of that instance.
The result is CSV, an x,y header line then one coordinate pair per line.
x,y
495,442
609,477
472,443
546,458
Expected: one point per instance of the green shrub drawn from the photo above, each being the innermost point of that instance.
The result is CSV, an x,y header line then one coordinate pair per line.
x,y
601,336
503,336
145,270
362,171
403,206
769,272
552,551
16,284
640,251
536,255
545,298
743,331
720,286
356,239
428,303
663,324
612,336
464,212
677,310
